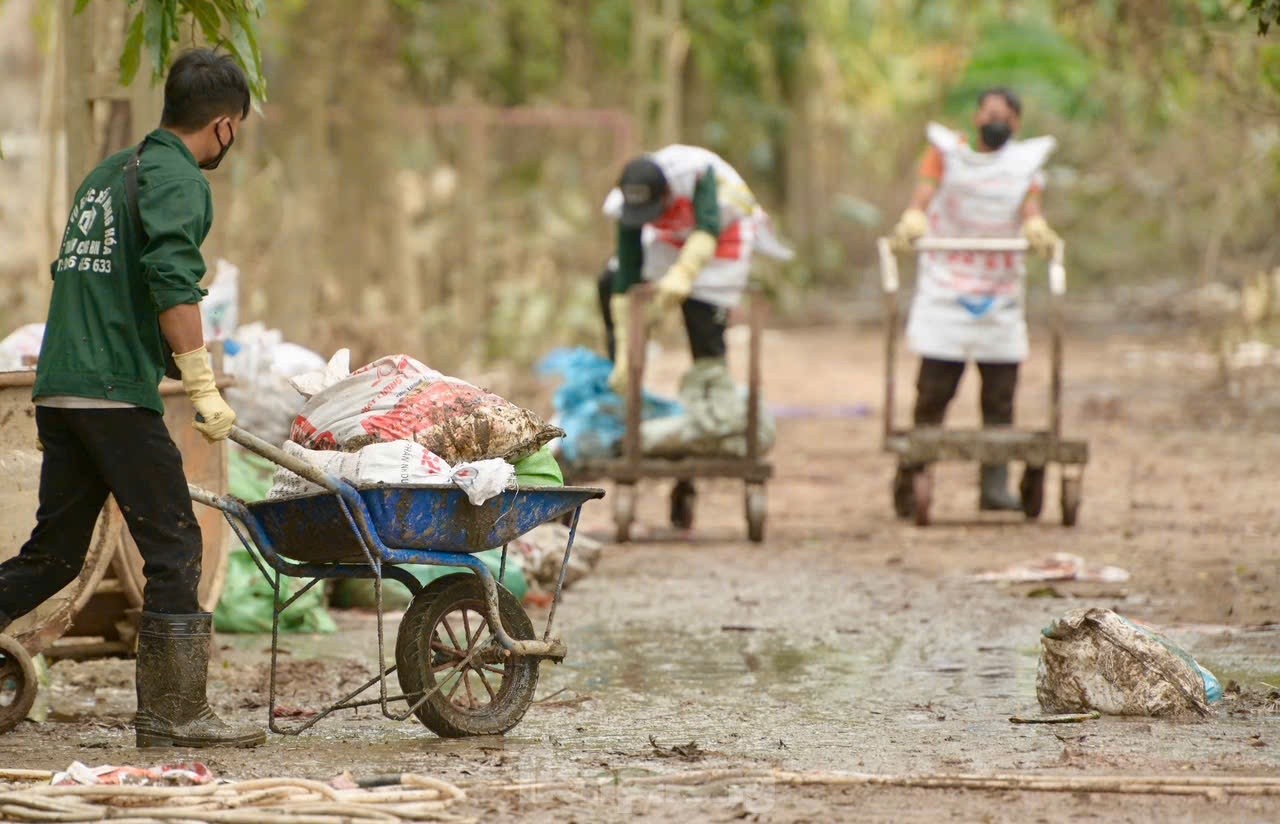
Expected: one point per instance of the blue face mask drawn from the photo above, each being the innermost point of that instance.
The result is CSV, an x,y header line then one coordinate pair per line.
x,y
995,134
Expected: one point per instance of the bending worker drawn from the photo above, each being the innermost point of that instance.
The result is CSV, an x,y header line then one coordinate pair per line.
x,y
125,294
969,306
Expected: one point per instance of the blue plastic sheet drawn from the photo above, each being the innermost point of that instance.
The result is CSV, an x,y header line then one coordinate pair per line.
x,y
590,413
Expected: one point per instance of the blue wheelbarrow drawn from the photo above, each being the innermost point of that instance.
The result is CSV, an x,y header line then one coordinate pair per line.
x,y
466,654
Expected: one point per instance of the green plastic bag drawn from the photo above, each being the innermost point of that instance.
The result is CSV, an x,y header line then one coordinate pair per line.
x,y
247,601
249,476
358,592
539,469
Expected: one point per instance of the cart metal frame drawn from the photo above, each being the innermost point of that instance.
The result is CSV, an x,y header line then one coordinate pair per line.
x,y
632,466
1036,449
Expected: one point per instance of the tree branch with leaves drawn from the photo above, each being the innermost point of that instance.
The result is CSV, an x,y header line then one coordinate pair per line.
x,y
156,28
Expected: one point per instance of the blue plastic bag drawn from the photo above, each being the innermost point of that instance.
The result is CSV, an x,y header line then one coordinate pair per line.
x,y
590,413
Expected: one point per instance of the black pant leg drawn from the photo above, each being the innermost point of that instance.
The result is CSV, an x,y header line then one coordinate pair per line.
x,y
604,289
936,385
705,324
999,384
72,493
143,469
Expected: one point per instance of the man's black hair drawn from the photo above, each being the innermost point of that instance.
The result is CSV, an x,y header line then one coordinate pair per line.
x,y
203,86
1008,95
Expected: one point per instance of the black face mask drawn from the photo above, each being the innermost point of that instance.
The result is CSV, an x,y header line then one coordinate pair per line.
x,y
211,164
995,134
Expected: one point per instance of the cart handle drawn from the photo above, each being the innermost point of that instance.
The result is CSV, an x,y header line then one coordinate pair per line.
x,y
889,261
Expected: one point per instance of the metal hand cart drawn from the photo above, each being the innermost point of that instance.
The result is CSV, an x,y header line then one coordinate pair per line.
x,y
1035,449
466,654
632,466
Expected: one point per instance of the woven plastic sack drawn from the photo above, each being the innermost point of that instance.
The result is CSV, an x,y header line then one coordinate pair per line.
x,y
1093,659
398,398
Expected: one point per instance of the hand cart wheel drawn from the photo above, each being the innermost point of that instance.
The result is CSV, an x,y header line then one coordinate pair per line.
x,y
1031,490
922,496
445,642
683,498
757,505
1071,496
624,511
18,683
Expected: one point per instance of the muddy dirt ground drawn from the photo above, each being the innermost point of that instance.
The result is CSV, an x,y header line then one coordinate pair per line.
x,y
849,641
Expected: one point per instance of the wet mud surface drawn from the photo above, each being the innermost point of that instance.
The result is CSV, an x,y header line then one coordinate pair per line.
x,y
847,642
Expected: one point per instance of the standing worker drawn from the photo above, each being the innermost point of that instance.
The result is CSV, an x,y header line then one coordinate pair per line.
x,y
688,223
969,306
126,293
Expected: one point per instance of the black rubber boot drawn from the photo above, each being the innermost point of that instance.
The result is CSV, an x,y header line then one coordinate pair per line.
x,y
173,668
995,495
904,497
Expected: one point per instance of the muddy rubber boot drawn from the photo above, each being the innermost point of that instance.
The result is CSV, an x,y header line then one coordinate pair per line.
x,y
995,495
173,668
904,499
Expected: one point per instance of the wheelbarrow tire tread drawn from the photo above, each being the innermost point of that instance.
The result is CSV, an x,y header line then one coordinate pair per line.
x,y
18,677
439,714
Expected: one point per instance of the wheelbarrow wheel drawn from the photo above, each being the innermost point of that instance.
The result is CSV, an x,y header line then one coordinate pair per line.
x,y
18,683
683,498
1071,497
446,642
1032,491
757,506
922,496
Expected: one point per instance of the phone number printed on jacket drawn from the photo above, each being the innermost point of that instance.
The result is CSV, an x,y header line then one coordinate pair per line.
x,y
91,235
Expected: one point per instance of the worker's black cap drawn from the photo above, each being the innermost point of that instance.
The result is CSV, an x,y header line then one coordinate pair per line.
x,y
644,189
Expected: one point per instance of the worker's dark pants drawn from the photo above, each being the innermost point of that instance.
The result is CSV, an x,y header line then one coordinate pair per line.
x,y
937,382
87,454
704,323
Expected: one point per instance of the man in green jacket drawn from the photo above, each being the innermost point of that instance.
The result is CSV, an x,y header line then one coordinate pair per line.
x,y
126,293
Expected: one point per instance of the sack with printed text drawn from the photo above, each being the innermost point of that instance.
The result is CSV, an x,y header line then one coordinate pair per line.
x,y
402,463
399,398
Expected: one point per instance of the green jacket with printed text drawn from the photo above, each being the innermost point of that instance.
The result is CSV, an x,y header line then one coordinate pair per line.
x,y
114,276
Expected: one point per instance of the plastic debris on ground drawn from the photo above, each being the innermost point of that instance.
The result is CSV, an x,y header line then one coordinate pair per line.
x,y
1060,566
1094,659
358,593
399,398
21,349
541,550
248,600
590,413
169,775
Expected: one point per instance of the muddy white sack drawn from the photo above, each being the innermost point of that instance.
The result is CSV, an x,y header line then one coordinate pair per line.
x,y
1093,659
395,462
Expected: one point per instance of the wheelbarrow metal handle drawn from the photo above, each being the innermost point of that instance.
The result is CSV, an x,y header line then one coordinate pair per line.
x,y
279,457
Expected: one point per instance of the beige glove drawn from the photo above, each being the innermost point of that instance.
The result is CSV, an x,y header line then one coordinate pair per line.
x,y
620,308
673,288
912,226
1042,239
197,379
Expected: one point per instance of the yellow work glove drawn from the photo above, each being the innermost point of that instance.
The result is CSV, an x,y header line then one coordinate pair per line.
x,y
620,308
912,226
674,288
214,418
1042,239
